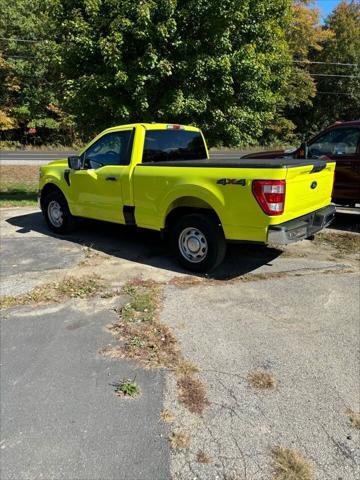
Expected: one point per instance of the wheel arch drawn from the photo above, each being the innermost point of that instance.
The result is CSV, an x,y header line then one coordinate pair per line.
x,y
187,205
46,190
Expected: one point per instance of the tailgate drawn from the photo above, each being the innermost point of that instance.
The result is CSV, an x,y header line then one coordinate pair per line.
x,y
308,188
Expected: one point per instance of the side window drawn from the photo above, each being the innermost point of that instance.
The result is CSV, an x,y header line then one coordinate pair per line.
x,y
111,149
339,141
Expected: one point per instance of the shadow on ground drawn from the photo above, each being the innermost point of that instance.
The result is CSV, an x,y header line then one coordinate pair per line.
x,y
145,246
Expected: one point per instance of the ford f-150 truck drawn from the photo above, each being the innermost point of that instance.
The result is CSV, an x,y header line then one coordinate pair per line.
x,y
159,176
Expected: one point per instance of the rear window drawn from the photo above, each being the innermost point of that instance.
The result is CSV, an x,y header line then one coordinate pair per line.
x,y
165,145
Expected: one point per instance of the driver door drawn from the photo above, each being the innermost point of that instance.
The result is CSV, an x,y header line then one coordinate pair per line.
x,y
342,145
96,190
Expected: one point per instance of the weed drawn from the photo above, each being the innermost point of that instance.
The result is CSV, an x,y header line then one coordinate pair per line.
x,y
135,341
56,292
192,394
127,388
262,380
167,416
202,457
354,418
185,368
290,465
179,440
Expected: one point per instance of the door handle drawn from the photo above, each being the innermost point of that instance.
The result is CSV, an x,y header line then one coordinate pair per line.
x,y
111,179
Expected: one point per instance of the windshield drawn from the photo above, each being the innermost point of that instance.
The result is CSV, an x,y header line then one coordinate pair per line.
x,y
165,145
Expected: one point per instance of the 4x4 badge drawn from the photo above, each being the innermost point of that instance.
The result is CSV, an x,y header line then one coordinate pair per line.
x,y
231,181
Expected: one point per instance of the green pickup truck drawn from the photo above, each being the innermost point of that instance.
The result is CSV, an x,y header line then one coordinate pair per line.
x,y
159,176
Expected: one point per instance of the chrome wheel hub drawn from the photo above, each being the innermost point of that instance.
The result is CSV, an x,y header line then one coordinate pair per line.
x,y
55,213
193,245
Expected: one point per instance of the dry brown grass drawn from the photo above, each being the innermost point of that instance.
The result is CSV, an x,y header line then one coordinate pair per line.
x,y
262,380
290,465
143,338
354,418
202,457
180,440
344,243
185,281
56,292
167,416
192,394
185,368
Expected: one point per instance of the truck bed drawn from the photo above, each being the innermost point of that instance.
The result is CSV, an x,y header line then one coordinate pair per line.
x,y
242,163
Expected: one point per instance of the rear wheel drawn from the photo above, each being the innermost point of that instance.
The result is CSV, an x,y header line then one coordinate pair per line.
x,y
57,213
198,242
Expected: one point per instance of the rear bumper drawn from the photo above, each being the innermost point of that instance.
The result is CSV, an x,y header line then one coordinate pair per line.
x,y
302,227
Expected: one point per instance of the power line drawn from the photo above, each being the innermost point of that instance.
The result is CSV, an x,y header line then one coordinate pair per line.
x,y
330,75
333,93
327,63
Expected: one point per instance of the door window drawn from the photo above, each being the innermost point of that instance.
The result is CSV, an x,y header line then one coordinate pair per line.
x,y
111,149
339,141
165,145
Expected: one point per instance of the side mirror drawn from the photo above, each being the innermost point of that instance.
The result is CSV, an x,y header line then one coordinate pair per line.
x,y
74,162
303,151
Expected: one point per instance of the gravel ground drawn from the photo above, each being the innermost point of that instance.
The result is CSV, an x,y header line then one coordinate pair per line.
x,y
304,330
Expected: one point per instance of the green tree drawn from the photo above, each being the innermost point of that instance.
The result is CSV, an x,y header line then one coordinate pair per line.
x,y
338,95
220,65
305,37
28,96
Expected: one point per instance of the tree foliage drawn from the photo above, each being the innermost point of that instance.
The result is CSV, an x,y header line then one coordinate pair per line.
x,y
220,65
339,96
239,69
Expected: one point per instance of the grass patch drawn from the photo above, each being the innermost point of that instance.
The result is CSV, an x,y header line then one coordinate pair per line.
x,y
57,292
202,457
127,388
179,440
354,418
143,338
344,243
167,416
290,465
192,394
262,380
18,185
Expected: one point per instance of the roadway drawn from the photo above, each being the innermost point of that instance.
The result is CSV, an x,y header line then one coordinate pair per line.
x,y
30,157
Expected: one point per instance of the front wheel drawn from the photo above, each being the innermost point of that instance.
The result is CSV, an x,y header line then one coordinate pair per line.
x,y
57,213
199,242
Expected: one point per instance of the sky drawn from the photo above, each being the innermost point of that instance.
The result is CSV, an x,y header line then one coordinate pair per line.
x,y
326,6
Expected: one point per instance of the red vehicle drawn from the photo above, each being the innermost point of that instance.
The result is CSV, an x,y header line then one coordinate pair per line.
x,y
340,142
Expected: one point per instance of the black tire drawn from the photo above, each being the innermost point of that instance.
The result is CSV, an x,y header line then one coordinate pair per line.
x,y
66,221
198,242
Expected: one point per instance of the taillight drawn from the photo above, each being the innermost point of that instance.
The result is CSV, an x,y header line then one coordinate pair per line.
x,y
270,195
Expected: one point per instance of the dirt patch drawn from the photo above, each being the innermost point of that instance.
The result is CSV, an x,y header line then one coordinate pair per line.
x,y
262,380
354,418
57,292
344,243
290,465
